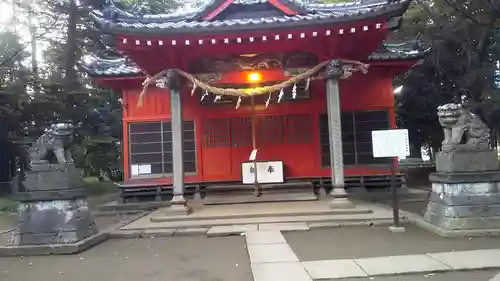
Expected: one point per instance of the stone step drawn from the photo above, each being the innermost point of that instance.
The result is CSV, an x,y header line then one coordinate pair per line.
x,y
189,223
264,188
219,199
291,213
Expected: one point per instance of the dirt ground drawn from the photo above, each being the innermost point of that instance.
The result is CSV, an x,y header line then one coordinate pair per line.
x,y
413,206
175,258
364,242
450,276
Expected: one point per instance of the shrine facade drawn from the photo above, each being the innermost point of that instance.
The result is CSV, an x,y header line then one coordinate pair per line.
x,y
298,130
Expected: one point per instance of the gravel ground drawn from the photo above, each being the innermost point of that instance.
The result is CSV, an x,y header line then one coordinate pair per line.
x,y
450,276
364,242
194,258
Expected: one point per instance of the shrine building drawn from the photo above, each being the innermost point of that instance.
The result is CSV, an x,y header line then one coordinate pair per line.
x,y
247,44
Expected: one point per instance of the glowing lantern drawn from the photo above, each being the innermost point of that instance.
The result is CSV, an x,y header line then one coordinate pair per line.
x,y
254,77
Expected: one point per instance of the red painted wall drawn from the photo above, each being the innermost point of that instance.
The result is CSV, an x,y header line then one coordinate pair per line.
x,y
360,92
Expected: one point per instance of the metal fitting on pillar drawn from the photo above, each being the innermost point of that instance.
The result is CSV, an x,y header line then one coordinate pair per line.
x,y
171,81
334,70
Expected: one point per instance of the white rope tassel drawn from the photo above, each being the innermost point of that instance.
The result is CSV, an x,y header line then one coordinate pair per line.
x,y
146,81
217,98
204,95
308,81
294,91
193,90
280,96
238,103
268,100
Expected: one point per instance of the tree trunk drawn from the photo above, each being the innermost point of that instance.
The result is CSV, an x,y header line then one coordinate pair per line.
x,y
70,53
416,148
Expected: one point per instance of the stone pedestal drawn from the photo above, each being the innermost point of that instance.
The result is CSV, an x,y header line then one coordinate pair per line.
x,y
53,208
466,161
339,199
178,207
464,200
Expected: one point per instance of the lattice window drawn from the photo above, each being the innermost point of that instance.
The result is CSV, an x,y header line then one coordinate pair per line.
x,y
216,133
365,123
270,130
348,147
241,131
298,129
151,144
145,145
356,136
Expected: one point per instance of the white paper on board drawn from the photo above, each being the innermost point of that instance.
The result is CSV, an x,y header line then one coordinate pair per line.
x,y
390,143
253,155
267,172
144,169
134,170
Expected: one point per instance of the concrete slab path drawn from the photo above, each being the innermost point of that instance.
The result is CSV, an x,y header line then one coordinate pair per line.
x,y
273,259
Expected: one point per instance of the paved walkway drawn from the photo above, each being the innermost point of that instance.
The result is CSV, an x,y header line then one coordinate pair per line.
x,y
273,259
483,275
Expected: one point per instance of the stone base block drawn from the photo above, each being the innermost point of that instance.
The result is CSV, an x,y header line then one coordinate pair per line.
x,y
397,229
451,223
464,206
177,210
54,222
466,161
466,193
341,203
53,249
47,182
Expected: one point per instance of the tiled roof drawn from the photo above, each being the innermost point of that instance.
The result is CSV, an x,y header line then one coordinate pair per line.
x,y
111,67
123,67
409,50
187,17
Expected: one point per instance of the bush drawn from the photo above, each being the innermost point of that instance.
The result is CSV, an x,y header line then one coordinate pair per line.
x,y
93,186
8,205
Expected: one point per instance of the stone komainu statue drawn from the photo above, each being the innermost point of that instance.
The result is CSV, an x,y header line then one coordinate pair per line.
x,y
56,140
463,130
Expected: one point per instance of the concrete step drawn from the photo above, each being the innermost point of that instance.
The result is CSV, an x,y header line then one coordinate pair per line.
x,y
291,213
302,185
188,223
231,198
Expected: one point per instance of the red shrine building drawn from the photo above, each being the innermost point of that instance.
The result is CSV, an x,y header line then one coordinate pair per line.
x,y
227,43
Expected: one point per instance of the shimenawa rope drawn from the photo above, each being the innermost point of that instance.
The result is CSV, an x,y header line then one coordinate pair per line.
x,y
250,91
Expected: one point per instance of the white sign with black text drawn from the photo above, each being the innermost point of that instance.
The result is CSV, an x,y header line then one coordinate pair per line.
x,y
140,169
390,143
267,172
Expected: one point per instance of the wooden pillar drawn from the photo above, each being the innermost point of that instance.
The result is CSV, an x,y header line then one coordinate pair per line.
x,y
179,204
334,71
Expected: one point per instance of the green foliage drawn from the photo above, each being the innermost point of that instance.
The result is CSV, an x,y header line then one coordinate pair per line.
x,y
7,205
461,67
28,111
148,6
94,187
